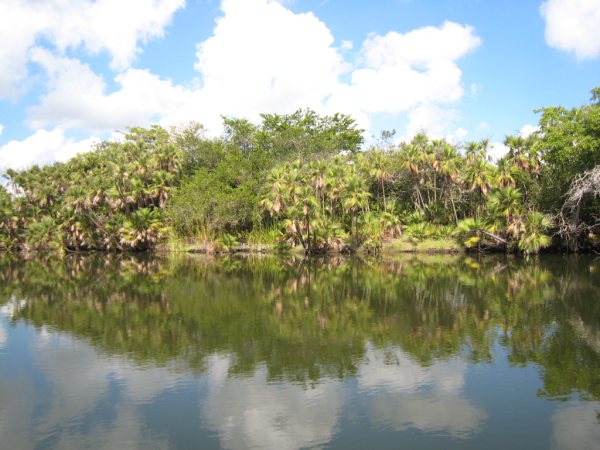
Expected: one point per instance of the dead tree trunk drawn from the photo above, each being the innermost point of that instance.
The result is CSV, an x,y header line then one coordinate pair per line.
x,y
571,227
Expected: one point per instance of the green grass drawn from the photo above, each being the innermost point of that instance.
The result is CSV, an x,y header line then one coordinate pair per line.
x,y
263,236
406,244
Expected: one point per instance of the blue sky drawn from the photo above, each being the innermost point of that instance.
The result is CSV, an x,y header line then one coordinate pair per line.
x,y
75,72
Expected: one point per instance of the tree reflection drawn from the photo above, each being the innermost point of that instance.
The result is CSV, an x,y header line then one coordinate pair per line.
x,y
305,320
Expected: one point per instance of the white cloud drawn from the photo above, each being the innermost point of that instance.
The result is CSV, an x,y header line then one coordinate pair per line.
x,y
256,62
475,89
528,129
421,47
402,71
497,150
42,147
113,26
347,45
434,120
262,57
572,26
457,136
1,129
77,99
18,29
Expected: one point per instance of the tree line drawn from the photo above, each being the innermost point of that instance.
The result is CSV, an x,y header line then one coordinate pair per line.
x,y
304,179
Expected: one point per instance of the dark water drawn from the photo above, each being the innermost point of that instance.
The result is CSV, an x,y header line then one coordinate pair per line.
x,y
123,352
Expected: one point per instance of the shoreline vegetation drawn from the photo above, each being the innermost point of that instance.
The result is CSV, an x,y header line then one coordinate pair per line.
x,y
304,183
388,247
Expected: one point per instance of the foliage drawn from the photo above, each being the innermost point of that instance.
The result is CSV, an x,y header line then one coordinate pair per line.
x,y
302,175
301,134
569,140
534,237
320,202
225,178
109,198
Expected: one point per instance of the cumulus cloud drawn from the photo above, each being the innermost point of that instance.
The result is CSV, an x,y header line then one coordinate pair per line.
x,y
113,26
18,29
435,120
256,62
76,96
438,122
421,47
42,147
572,26
475,89
527,130
262,57
497,150
398,72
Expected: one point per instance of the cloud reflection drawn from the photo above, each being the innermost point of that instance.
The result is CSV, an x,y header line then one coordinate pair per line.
x,y
250,412
404,395
75,398
2,334
576,427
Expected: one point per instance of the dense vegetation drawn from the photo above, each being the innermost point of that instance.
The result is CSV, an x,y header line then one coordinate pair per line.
x,y
303,179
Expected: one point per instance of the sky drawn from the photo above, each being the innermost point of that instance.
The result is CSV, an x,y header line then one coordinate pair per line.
x,y
76,72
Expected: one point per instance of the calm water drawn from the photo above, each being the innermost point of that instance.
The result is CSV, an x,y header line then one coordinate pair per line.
x,y
122,352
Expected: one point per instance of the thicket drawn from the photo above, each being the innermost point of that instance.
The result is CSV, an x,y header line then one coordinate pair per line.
x,y
304,179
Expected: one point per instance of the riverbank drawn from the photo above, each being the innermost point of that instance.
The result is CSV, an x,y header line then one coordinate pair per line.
x,y
388,247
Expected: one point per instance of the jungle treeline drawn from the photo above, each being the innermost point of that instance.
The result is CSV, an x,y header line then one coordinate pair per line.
x,y
306,180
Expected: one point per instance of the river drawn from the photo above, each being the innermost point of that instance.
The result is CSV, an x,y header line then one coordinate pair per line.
x,y
125,351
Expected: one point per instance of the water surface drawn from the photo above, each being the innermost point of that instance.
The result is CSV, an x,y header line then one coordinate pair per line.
x,y
445,352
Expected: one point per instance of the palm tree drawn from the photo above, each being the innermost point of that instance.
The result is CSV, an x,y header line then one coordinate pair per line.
x,y
506,203
356,197
143,229
412,158
448,162
534,237
380,172
479,179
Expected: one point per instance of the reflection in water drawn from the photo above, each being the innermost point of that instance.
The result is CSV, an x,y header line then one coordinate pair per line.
x,y
576,426
2,336
249,413
64,396
408,395
123,351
